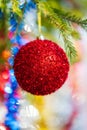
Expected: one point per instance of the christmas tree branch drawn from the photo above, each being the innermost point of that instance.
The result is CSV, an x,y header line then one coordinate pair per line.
x,y
53,17
71,18
63,21
70,50
15,7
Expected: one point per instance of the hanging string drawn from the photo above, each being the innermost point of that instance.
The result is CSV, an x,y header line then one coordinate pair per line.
x,y
39,21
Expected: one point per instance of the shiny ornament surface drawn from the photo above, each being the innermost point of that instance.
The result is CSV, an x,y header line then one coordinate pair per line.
x,y
41,67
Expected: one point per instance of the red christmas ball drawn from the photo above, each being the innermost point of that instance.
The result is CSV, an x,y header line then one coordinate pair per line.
x,y
41,67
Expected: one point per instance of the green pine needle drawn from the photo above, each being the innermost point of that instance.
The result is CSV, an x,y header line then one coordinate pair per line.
x,y
71,18
70,50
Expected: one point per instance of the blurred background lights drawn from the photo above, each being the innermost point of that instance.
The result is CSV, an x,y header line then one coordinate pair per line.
x,y
2,128
27,28
33,112
5,75
8,89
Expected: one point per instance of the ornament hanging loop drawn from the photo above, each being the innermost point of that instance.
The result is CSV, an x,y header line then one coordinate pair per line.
x,y
39,21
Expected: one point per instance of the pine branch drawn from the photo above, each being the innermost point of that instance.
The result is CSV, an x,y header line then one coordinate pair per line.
x,y
84,24
53,17
15,7
71,17
75,34
62,24
70,50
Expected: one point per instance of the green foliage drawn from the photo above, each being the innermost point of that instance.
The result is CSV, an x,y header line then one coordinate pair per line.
x,y
70,50
63,20
71,18
15,7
